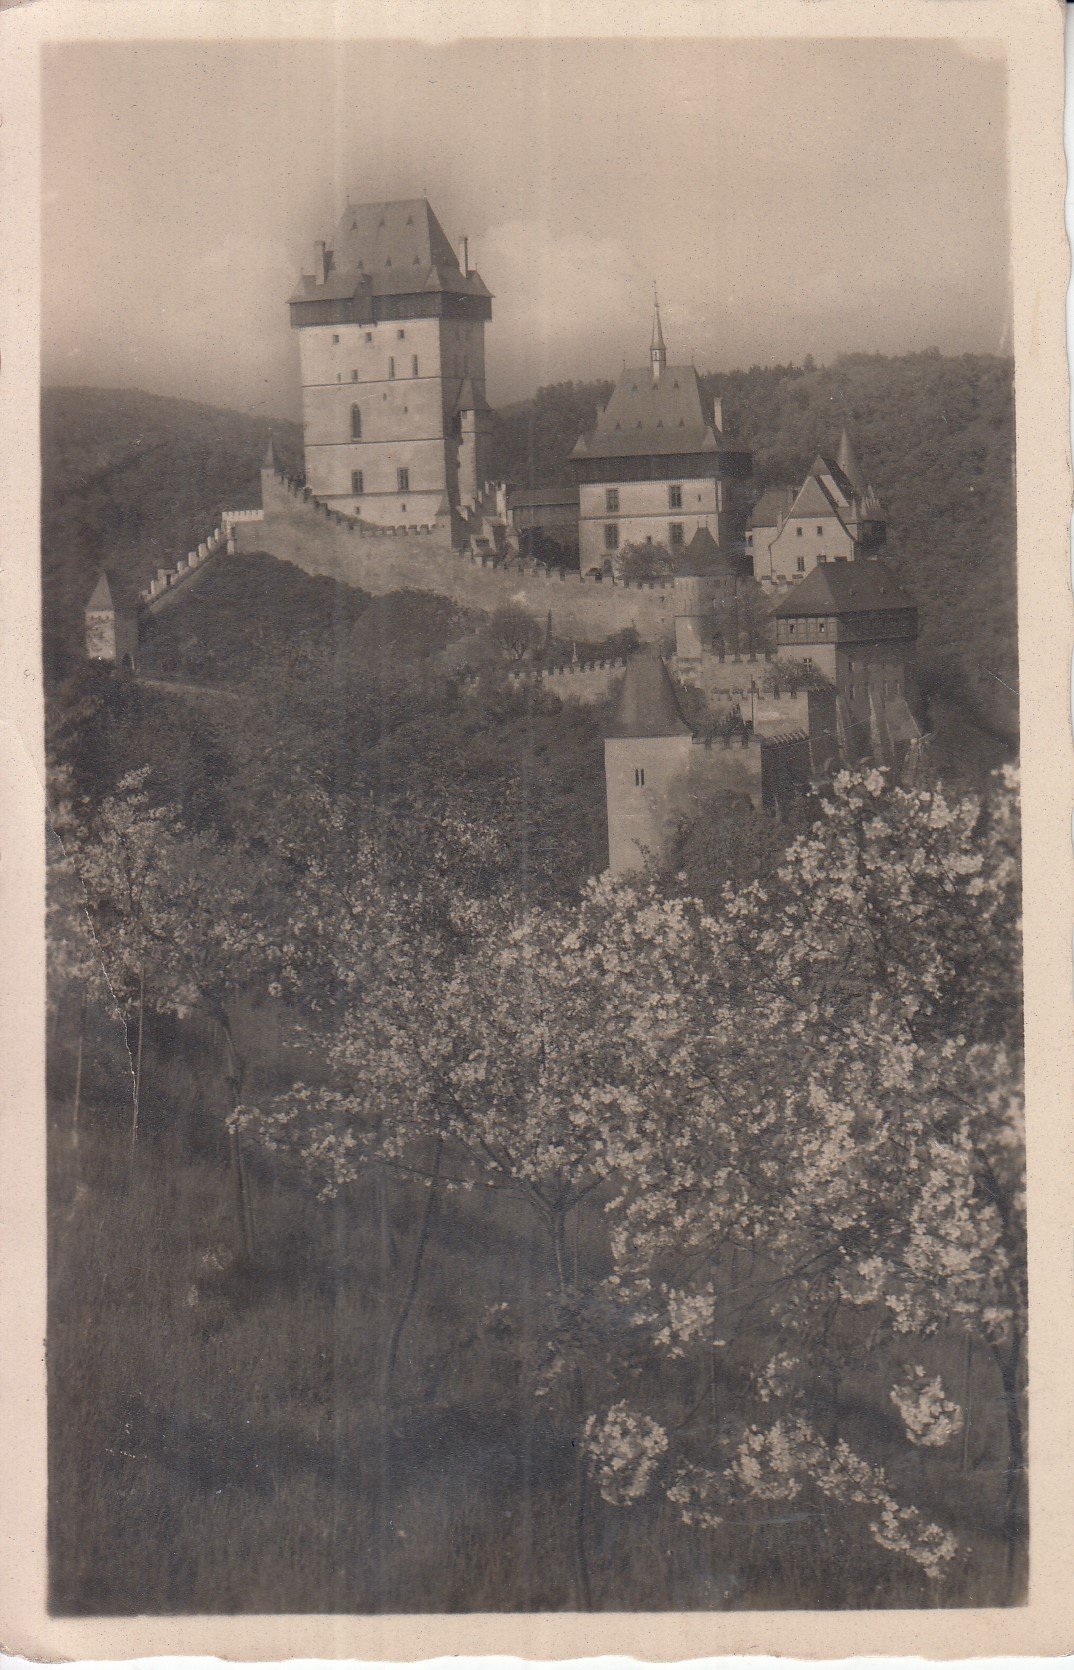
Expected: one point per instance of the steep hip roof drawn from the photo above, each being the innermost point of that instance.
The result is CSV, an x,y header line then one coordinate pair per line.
x,y
647,705
845,588
101,595
643,418
702,557
389,249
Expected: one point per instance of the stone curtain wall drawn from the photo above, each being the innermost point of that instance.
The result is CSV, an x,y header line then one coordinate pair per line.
x,y
302,532
169,581
584,681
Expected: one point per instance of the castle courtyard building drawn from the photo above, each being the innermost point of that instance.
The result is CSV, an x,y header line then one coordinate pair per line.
x,y
853,624
655,469
834,515
391,339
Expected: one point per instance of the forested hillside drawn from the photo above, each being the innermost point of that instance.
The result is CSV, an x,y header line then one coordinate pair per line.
x,y
934,434
131,481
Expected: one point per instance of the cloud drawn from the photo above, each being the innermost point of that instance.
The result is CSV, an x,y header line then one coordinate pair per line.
x,y
562,301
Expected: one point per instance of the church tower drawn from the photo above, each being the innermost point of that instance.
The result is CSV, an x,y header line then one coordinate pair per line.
x,y
392,348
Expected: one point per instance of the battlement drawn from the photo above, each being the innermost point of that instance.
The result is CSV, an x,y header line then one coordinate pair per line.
x,y
300,528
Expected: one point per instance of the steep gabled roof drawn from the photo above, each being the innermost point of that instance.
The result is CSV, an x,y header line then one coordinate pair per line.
x,y
647,705
389,249
771,508
644,418
845,588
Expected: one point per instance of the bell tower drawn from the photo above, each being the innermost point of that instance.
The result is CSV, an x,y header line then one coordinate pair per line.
x,y
658,354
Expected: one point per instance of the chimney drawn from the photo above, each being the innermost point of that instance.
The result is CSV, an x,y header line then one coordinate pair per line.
x,y
717,414
320,262
466,258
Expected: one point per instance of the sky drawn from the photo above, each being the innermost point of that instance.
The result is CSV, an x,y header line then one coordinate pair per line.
x,y
787,198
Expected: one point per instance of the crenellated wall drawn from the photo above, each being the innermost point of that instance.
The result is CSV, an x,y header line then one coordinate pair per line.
x,y
300,530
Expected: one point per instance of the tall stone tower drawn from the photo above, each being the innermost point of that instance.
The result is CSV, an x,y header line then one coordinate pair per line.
x,y
392,345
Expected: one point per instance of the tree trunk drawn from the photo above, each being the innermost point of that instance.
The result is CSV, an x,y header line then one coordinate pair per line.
x,y
76,1102
235,1075
391,1355
138,1060
1016,1455
583,1586
581,1486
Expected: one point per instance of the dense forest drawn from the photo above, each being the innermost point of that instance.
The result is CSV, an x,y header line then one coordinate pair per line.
x,y
934,434
375,1280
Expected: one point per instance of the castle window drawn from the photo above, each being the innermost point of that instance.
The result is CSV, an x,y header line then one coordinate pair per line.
x,y
749,539
790,627
356,423
611,536
369,336
798,530
413,365
819,528
822,626
611,498
357,484
404,481
335,341
674,498
354,376
639,776
801,564
339,376
391,367
401,335
675,534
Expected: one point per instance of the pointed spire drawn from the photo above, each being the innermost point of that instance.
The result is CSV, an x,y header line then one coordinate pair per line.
x,y
657,353
269,460
848,463
101,596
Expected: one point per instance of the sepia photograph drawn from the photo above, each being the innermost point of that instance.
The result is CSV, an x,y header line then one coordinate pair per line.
x,y
530,650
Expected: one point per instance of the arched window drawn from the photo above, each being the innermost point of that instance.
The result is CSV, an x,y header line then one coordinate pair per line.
x,y
356,423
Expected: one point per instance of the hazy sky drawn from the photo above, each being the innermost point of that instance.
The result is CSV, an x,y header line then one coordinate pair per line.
x,y
787,198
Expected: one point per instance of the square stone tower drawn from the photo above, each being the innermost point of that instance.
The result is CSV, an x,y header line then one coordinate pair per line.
x,y
392,344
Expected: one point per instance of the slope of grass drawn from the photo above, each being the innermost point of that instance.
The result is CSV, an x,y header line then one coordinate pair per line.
x,y
131,482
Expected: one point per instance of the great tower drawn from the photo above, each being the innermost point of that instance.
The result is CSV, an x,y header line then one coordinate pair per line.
x,y
392,350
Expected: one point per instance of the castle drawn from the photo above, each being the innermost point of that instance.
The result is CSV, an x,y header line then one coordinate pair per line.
x,y
395,423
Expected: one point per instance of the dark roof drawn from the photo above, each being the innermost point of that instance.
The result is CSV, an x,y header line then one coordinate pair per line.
x,y
525,498
845,588
113,592
702,556
389,249
101,595
772,507
467,400
644,418
647,705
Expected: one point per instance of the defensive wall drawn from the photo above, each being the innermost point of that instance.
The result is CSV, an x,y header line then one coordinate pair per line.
x,y
304,531
169,582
